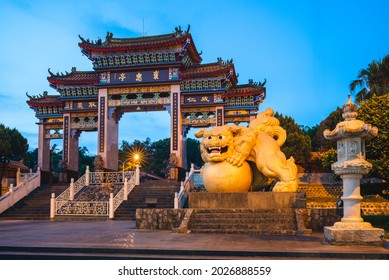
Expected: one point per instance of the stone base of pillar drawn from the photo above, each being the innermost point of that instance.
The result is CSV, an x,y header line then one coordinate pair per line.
x,y
349,234
63,177
45,177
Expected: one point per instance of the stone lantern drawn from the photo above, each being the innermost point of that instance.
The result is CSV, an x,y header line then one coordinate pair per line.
x,y
350,135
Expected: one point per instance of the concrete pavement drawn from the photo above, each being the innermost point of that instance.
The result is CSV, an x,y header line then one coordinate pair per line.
x,y
121,240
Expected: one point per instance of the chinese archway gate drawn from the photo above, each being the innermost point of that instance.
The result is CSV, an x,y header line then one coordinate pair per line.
x,y
150,73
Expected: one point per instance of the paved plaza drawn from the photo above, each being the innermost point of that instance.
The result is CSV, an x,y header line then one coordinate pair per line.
x,y
121,240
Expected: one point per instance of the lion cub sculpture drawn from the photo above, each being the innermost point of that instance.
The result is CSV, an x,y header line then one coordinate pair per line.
x,y
245,158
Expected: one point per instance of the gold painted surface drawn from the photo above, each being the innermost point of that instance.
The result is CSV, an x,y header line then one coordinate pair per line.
x,y
225,177
235,145
126,90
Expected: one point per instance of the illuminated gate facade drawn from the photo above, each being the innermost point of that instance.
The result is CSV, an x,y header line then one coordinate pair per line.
x,y
151,73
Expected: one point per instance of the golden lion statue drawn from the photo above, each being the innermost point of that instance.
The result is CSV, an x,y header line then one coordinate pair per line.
x,y
244,158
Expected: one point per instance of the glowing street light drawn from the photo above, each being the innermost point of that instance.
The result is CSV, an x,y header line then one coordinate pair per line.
x,y
137,157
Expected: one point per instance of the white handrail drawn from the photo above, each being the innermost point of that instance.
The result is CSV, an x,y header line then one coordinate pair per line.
x,y
65,205
15,194
124,192
181,197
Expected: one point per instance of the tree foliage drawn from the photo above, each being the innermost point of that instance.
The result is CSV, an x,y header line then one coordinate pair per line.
x,y
193,153
84,159
319,143
155,155
329,158
375,111
374,80
13,146
297,144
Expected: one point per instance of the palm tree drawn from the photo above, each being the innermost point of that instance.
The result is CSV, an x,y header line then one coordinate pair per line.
x,y
374,80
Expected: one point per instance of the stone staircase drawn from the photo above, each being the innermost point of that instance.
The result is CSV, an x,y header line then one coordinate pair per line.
x,y
248,221
150,194
36,206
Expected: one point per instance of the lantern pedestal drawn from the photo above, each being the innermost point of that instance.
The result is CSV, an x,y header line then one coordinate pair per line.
x,y
346,233
351,165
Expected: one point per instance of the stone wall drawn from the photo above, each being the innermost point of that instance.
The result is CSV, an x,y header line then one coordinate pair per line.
x,y
252,200
321,190
159,219
375,208
322,217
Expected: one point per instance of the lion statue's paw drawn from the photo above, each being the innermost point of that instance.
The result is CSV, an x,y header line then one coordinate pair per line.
x,y
285,187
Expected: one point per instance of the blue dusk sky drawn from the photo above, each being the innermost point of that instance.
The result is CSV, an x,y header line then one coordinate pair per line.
x,y
308,51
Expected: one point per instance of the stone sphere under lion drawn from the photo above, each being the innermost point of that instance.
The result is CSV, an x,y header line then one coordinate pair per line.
x,y
225,177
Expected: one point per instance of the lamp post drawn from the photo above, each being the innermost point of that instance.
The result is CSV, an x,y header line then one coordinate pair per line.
x,y
123,165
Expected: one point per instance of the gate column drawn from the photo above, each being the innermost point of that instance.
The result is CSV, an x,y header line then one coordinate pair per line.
x,y
44,154
70,148
176,136
73,154
107,133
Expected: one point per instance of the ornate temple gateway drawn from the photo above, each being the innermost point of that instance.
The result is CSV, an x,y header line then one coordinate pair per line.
x,y
150,73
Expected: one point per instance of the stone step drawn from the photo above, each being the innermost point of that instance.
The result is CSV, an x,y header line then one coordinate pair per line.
x,y
241,226
244,221
242,214
243,210
246,231
162,191
35,206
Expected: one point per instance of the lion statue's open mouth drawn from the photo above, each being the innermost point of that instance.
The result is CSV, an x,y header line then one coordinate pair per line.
x,y
217,150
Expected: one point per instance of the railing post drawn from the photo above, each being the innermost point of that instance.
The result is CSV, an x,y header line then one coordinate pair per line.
x,y
137,175
87,176
125,189
182,187
52,206
18,177
176,200
39,175
71,190
27,187
111,206
11,194
192,167
186,176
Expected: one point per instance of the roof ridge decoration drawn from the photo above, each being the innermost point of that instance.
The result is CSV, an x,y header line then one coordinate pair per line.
x,y
220,61
178,32
257,84
73,71
39,96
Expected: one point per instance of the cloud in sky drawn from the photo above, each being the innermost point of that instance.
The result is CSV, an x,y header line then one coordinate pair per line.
x,y
308,51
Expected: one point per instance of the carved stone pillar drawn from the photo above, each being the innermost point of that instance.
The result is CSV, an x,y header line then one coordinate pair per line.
x,y
176,136
107,133
44,154
72,167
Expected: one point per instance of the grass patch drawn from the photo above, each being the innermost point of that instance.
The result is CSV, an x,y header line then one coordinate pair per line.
x,y
380,221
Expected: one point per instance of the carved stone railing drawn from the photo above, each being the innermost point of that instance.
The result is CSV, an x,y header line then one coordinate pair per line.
x,y
90,208
26,186
65,204
181,197
69,193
